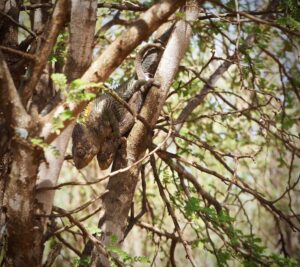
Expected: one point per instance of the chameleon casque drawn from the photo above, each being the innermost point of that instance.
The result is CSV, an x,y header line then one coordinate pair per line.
x,y
107,120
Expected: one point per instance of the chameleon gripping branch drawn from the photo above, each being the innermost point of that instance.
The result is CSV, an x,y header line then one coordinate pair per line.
x,y
107,120
102,119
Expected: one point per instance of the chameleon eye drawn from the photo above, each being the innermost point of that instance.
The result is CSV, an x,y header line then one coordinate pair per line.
x,y
80,152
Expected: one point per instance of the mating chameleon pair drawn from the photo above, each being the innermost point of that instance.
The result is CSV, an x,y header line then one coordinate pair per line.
x,y
105,117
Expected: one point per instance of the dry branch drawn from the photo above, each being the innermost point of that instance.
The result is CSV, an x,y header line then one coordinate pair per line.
x,y
58,18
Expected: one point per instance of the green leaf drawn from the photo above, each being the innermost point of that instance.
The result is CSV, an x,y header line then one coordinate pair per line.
x,y
60,80
58,122
40,143
249,263
192,206
289,22
77,90
65,115
84,261
223,257
141,259
78,84
288,122
94,230
113,239
124,256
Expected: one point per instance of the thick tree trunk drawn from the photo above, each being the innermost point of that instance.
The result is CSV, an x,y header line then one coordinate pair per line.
x,y
117,201
8,38
18,201
83,20
23,250
8,29
82,29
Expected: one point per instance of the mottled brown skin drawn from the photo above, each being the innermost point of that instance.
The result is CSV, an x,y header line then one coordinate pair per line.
x,y
108,150
85,145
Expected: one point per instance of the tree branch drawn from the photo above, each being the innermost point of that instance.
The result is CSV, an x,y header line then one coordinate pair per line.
x,y
171,211
10,102
181,170
58,18
115,53
127,6
17,52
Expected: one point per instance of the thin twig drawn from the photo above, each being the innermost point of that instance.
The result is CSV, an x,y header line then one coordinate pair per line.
x,y
171,211
18,24
55,251
17,52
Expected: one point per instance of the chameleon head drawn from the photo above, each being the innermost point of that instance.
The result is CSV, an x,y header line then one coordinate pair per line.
x,y
85,145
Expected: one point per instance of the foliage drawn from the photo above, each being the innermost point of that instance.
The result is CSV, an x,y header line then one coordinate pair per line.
x,y
123,256
81,261
40,143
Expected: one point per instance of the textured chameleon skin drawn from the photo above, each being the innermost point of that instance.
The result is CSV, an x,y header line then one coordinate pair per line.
x,y
85,145
102,119
107,120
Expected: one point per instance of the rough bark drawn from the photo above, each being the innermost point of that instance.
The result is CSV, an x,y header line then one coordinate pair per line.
x,y
43,91
82,29
18,202
52,30
8,38
39,16
26,158
9,12
8,29
117,202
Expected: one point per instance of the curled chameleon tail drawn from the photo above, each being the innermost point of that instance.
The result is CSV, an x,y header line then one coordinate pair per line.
x,y
141,68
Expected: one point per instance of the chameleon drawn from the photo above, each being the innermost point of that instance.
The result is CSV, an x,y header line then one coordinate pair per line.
x,y
102,118
107,121
109,147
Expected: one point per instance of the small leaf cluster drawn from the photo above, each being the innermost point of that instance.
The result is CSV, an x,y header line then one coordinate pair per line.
x,y
123,256
40,143
76,91
248,248
84,261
